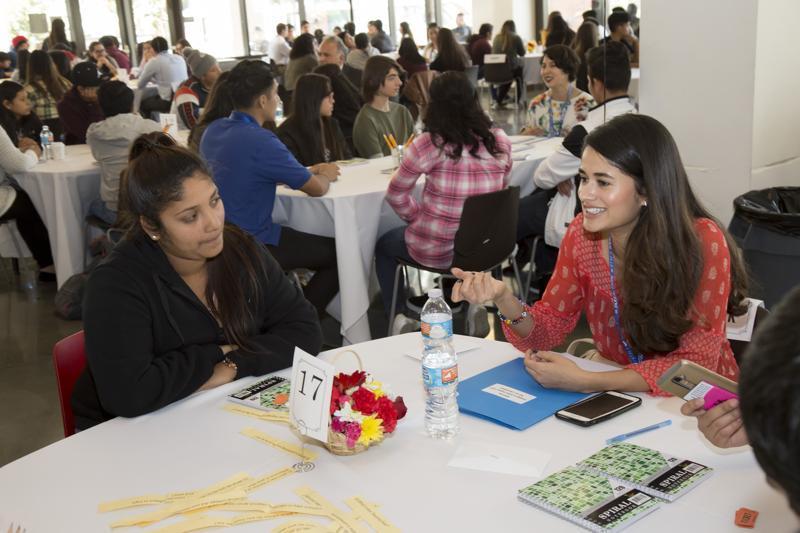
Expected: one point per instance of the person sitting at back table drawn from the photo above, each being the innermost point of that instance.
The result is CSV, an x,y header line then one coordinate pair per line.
x,y
110,141
348,100
167,71
145,53
380,116
586,38
559,32
333,51
461,155
19,152
358,58
302,60
57,36
219,105
46,87
509,43
185,302
619,23
409,57
479,45
191,95
462,32
105,64
766,413
279,49
451,55
378,38
405,31
79,106
248,162
310,132
111,44
554,112
5,66
430,51
654,273
19,42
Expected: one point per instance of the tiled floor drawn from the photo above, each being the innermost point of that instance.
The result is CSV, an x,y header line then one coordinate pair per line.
x,y
30,416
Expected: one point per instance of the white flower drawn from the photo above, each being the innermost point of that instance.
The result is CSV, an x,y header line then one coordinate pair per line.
x,y
346,414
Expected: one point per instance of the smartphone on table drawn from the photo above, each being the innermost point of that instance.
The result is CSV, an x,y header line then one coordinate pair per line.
x,y
688,380
598,408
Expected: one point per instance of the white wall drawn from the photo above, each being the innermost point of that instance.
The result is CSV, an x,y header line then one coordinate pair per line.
x,y
495,12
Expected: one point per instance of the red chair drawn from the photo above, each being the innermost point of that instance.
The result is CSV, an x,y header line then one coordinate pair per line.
x,y
69,359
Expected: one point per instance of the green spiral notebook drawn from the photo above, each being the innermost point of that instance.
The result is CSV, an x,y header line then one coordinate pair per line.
x,y
651,471
271,394
589,499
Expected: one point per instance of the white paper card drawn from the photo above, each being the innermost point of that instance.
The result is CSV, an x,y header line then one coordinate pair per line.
x,y
493,457
699,391
461,346
169,122
310,396
509,393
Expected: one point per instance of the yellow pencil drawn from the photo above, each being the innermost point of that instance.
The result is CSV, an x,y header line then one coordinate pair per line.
x,y
388,142
410,138
394,142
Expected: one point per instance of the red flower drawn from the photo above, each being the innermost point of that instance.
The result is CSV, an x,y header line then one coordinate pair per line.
x,y
400,407
387,413
335,400
345,381
364,401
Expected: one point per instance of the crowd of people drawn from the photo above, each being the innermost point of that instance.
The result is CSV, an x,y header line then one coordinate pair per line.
x,y
195,294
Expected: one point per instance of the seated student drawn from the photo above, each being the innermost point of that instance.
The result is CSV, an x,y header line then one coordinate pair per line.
x,y
79,106
110,141
554,112
19,152
111,44
461,155
106,64
508,42
619,23
167,71
559,32
185,302
358,57
302,60
46,87
409,57
347,95
5,66
766,413
191,95
218,105
62,63
452,55
380,116
310,132
655,274
379,39
248,162
429,52
333,51
480,44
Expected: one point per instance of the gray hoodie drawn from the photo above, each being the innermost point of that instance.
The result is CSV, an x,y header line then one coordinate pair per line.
x,y
110,141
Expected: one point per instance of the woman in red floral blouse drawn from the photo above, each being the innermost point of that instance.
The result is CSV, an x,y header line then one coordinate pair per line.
x,y
654,273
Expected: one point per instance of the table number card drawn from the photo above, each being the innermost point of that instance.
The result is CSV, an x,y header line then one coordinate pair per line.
x,y
310,396
169,122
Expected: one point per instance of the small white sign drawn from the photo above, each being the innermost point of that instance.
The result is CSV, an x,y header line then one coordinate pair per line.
x,y
509,393
699,391
310,396
169,122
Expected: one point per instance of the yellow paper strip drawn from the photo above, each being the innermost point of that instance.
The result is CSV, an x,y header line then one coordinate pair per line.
x,y
302,509
147,499
255,517
288,447
195,524
269,416
298,526
187,506
234,482
310,495
370,515
266,479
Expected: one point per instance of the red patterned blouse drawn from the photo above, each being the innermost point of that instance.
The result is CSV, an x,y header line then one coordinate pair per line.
x,y
581,282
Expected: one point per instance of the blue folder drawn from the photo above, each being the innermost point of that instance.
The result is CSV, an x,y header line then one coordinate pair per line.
x,y
474,401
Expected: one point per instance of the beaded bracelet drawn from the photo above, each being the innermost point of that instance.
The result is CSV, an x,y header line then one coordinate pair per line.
x,y
513,322
230,364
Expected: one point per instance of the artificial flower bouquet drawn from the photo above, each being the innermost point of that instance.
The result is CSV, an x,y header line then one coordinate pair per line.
x,y
363,412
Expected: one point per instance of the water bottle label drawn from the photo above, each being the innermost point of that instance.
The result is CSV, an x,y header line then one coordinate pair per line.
x,y
439,377
430,331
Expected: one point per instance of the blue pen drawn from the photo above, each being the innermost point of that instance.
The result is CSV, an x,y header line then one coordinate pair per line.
x,y
626,436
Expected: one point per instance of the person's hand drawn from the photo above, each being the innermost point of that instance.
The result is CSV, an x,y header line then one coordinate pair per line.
x,y
228,348
530,130
554,371
721,425
331,171
222,374
565,187
477,287
26,144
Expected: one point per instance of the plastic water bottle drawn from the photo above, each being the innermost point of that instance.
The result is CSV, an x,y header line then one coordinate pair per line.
x,y
46,139
439,367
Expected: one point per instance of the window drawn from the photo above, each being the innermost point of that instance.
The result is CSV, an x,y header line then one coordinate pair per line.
x,y
19,14
451,8
214,26
571,10
326,14
413,12
263,16
99,18
366,10
150,20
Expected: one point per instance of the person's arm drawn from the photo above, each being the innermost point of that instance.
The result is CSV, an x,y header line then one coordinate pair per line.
x,y
131,378
418,160
276,160
148,73
564,163
12,159
287,321
721,425
188,105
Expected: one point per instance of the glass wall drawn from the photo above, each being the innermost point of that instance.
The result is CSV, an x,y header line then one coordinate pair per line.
x,y
18,15
263,16
366,10
327,14
150,19
214,26
413,12
571,10
99,18
451,8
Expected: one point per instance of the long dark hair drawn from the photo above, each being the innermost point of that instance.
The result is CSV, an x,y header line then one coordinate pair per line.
x,y
409,52
507,31
309,92
61,61
155,177
451,54
586,38
218,105
43,74
405,30
58,33
303,46
22,65
663,267
455,118
8,91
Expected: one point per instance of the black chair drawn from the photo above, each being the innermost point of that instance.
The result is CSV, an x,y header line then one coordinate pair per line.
x,y
498,71
486,237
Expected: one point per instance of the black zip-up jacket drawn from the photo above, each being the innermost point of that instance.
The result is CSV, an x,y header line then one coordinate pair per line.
x,y
151,342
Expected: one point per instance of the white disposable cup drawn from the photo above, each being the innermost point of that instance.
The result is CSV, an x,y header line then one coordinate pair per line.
x,y
59,151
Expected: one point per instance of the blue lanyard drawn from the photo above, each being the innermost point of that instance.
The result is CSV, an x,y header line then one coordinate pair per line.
x,y
635,359
564,106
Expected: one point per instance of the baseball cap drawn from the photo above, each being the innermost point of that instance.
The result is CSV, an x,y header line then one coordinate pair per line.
x,y
86,74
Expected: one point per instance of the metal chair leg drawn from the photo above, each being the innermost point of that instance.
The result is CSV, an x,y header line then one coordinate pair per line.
x,y
531,268
394,298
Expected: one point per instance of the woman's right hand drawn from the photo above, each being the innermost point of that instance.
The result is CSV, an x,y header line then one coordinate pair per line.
x,y
26,144
330,171
477,287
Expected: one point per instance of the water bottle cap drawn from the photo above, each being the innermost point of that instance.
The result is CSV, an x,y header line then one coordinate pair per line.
x,y
435,293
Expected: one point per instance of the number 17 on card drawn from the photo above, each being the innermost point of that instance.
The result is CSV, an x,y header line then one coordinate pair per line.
x,y
310,397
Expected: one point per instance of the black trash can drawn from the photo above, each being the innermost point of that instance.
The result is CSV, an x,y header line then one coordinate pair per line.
x,y
766,224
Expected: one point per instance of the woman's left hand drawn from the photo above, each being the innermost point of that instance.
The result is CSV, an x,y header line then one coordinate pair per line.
x,y
554,371
536,132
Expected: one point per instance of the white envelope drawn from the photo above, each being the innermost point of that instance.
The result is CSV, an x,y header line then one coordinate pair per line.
x,y
493,457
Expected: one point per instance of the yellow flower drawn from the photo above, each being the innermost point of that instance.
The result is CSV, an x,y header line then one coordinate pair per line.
x,y
376,387
371,430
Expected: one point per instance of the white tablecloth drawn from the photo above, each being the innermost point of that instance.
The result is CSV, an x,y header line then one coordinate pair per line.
x,y
194,444
355,214
531,68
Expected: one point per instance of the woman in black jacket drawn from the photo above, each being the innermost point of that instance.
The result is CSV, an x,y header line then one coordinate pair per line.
x,y
172,311
310,132
348,100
